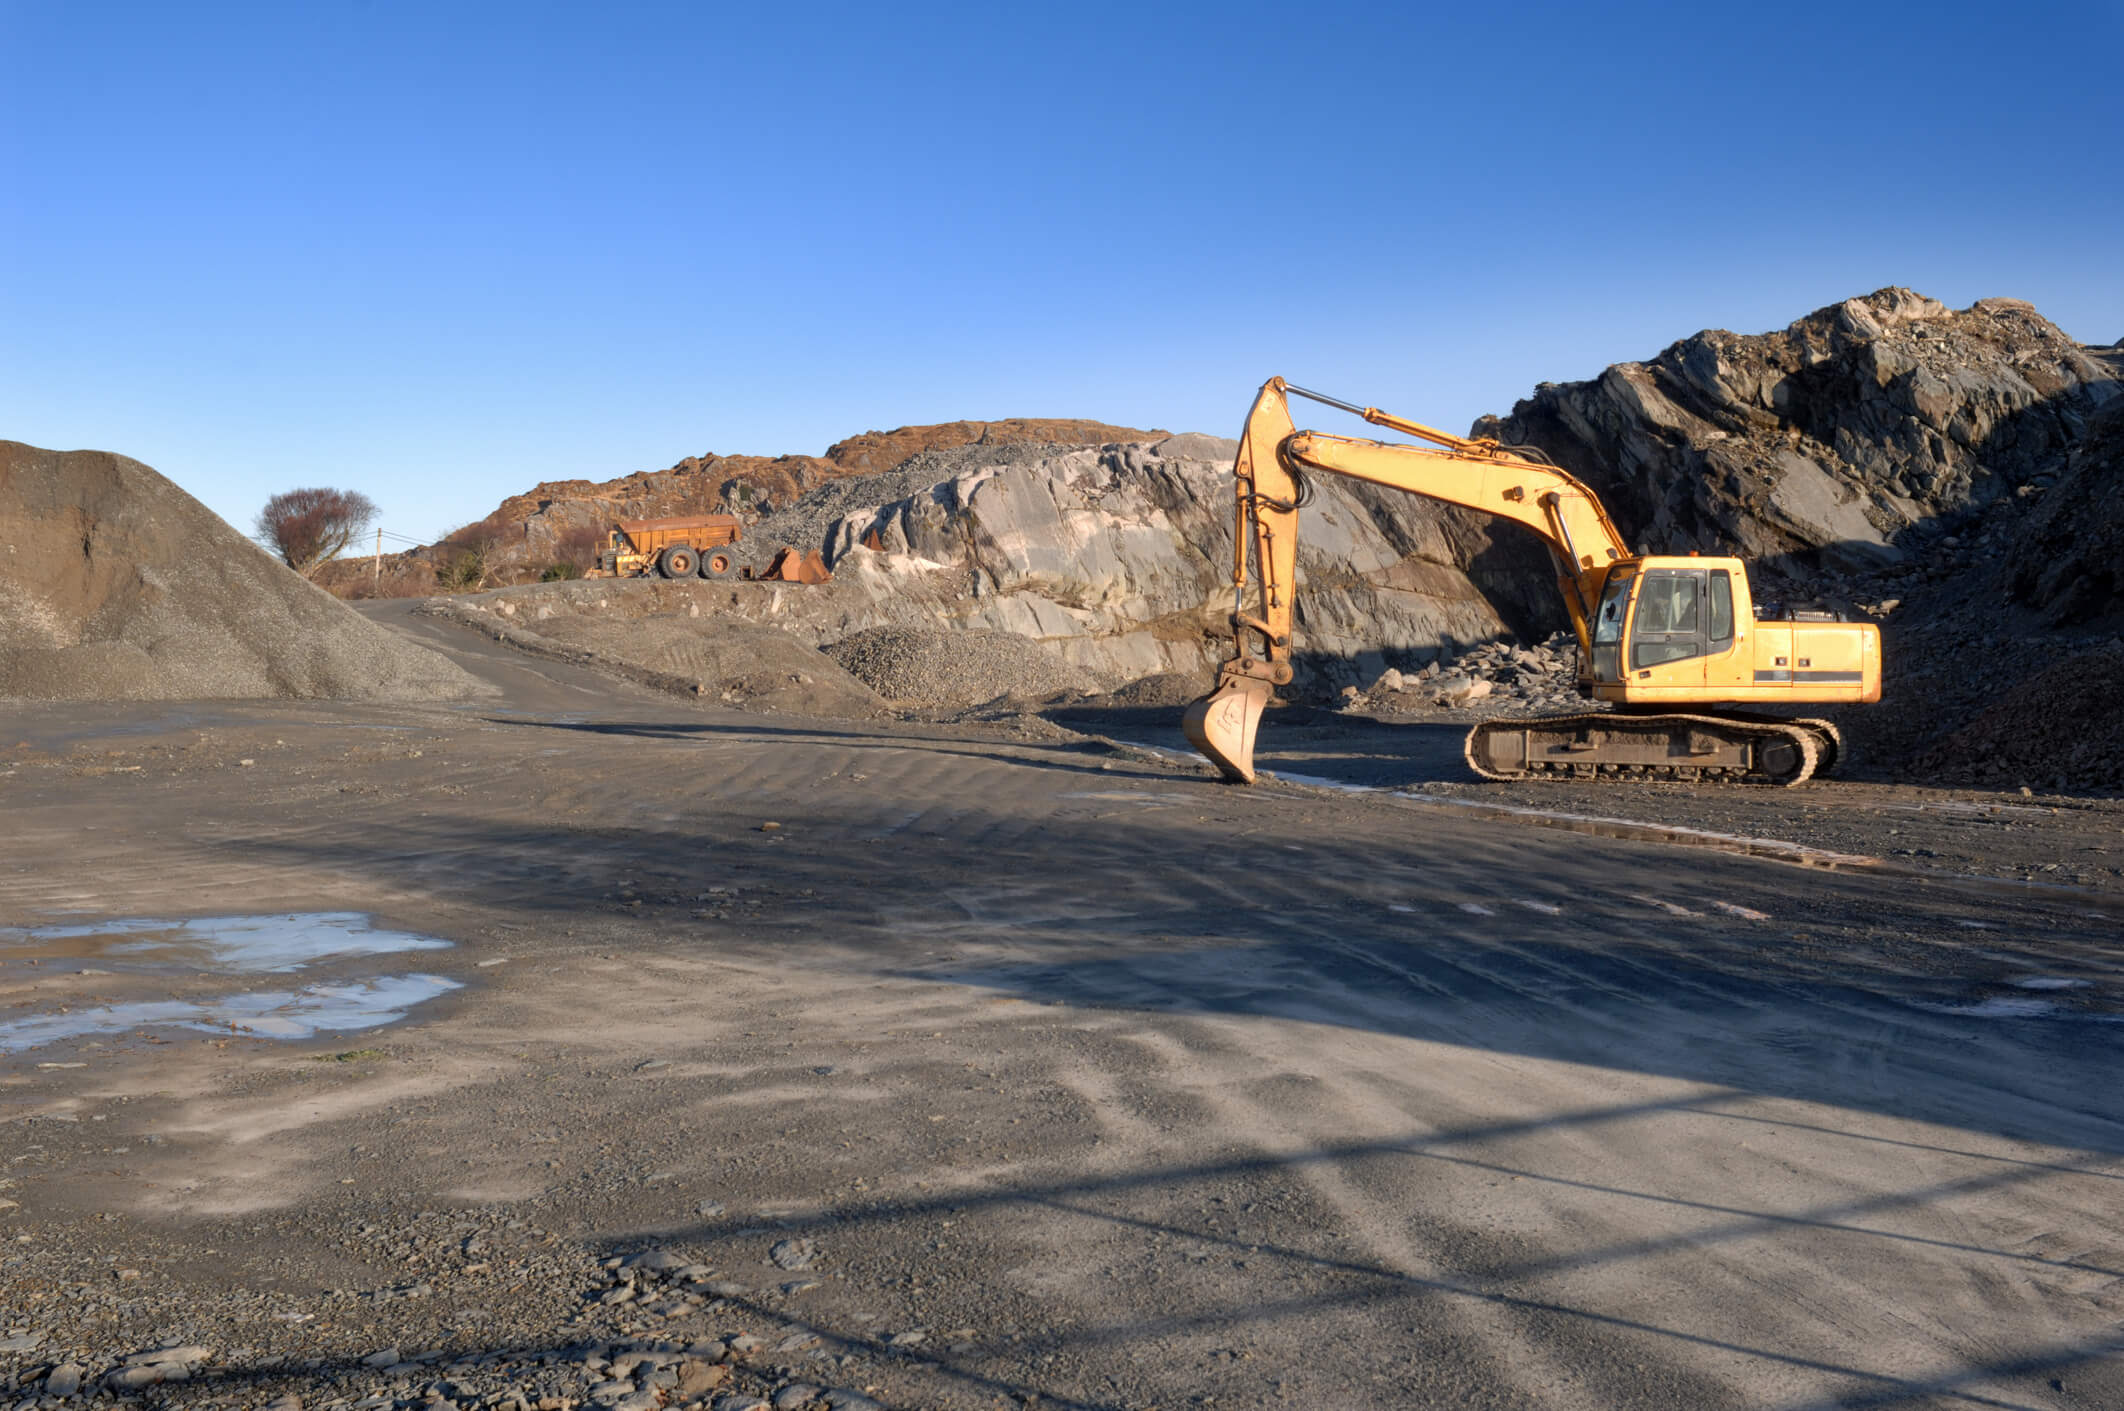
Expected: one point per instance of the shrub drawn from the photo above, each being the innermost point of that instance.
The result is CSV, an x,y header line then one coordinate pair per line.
x,y
309,527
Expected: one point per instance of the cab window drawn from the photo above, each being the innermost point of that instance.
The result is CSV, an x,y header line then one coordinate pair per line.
x,y
1608,629
1721,610
1669,622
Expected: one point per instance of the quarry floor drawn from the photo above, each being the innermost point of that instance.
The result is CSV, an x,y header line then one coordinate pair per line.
x,y
1092,1083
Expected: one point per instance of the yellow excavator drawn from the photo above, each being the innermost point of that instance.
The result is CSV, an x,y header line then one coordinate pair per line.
x,y
1674,642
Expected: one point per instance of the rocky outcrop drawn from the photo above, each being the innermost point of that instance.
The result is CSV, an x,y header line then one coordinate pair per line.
x,y
1116,559
530,527
1821,444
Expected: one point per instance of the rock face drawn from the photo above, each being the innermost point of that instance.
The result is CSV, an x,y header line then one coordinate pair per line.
x,y
531,525
1116,560
2068,558
117,585
1120,558
1819,444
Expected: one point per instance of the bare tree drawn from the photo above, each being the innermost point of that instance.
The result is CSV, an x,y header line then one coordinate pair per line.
x,y
467,556
307,527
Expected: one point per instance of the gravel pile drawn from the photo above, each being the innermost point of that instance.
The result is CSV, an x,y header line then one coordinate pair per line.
x,y
942,667
117,585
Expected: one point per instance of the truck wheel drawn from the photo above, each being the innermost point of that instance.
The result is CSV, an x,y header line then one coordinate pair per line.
x,y
718,563
677,562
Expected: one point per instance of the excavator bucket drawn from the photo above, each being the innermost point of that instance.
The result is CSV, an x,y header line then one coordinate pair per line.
x,y
1221,725
792,566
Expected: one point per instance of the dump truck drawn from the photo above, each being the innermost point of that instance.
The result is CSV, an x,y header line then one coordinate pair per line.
x,y
1675,644
678,546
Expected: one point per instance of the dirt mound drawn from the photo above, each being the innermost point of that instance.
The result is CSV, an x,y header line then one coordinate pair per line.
x,y
737,663
117,585
663,639
925,667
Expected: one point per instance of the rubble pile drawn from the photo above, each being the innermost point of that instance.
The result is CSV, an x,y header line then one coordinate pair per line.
x,y
2062,729
1542,677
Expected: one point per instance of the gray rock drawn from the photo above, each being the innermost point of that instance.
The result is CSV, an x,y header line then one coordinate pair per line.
x,y
64,1379
794,1396
842,1399
388,1357
795,1255
657,1261
21,1342
181,1355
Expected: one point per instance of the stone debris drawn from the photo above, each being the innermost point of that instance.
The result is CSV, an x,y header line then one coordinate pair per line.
x,y
117,585
1542,677
940,667
680,1341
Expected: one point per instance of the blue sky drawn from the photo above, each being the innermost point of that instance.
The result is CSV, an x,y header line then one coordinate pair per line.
x,y
439,252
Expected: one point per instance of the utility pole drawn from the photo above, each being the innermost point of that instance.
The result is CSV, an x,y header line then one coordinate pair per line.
x,y
377,577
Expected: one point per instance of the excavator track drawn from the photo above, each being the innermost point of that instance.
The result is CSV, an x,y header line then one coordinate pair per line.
x,y
1712,749
1828,740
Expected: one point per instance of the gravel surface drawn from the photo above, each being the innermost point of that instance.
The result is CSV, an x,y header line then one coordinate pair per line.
x,y
929,1066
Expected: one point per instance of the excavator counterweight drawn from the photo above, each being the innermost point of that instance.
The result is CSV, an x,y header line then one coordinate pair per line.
x,y
1672,642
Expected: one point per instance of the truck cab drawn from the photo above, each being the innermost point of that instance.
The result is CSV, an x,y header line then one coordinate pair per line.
x,y
1672,629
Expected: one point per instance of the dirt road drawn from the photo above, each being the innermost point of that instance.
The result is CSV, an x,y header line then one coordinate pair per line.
x,y
956,1067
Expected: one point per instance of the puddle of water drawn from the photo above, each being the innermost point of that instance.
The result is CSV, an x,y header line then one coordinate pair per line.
x,y
297,1014
2051,982
211,949
230,944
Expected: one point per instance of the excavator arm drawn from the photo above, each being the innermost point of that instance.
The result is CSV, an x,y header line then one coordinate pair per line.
x,y
1269,479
